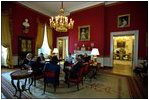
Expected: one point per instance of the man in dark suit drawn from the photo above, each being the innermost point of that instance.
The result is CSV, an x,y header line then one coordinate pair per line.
x,y
72,73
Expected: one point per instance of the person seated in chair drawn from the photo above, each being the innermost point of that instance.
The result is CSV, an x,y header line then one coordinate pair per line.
x,y
54,59
68,60
40,62
26,61
86,58
37,64
72,73
41,57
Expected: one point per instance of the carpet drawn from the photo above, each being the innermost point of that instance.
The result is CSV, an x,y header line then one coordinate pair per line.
x,y
8,91
104,86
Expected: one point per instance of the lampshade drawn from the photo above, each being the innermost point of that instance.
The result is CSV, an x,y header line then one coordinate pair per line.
x,y
95,52
55,50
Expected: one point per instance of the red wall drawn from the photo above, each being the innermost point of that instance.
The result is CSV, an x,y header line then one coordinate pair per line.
x,y
18,13
58,34
93,17
103,21
138,21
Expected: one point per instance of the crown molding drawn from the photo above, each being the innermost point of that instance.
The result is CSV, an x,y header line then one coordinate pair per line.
x,y
68,10
36,8
82,6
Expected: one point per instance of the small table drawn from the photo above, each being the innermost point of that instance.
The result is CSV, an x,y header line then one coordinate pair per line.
x,y
18,75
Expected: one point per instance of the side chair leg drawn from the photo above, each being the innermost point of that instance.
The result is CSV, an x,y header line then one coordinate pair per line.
x,y
68,85
44,88
54,88
77,86
34,82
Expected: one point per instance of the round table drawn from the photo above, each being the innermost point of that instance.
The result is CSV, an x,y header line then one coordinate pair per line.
x,y
19,75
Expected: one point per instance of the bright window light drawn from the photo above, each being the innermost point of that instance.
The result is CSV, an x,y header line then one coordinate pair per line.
x,y
4,55
45,47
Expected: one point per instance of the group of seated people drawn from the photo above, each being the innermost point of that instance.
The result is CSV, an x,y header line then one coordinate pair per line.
x,y
70,68
37,64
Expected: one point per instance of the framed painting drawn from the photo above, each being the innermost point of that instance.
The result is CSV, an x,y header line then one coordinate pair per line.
x,y
24,47
25,44
121,44
84,33
123,21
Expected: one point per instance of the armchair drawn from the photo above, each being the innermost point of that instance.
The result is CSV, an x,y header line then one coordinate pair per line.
x,y
77,79
51,75
37,72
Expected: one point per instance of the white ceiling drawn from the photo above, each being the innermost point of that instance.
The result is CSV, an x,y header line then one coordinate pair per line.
x,y
51,8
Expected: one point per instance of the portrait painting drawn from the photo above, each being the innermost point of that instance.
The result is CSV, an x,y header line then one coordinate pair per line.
x,y
123,21
121,44
84,33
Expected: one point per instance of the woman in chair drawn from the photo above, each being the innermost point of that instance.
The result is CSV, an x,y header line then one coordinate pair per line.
x,y
26,61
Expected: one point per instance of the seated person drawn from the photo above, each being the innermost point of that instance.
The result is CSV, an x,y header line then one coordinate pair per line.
x,y
40,62
72,73
42,59
86,58
53,69
68,60
54,59
143,67
36,65
26,61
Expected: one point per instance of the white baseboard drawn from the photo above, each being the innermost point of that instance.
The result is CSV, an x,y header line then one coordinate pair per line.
x,y
105,61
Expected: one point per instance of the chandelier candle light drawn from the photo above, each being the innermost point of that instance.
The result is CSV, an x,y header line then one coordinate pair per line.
x,y
61,23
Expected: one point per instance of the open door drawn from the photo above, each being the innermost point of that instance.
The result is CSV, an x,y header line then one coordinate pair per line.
x,y
62,45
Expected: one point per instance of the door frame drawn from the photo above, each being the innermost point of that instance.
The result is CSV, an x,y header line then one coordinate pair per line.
x,y
136,41
63,37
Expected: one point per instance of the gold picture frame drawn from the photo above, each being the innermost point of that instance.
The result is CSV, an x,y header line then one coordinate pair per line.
x,y
123,21
84,33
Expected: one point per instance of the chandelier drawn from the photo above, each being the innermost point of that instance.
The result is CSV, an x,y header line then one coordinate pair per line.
x,y
61,23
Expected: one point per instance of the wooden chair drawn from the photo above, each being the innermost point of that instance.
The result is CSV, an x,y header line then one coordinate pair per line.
x,y
51,75
85,70
78,79
37,74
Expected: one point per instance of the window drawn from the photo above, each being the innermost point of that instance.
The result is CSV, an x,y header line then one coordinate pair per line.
x,y
4,55
45,47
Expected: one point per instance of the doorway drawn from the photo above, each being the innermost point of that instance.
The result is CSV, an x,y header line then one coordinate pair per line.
x,y
123,49
62,45
124,52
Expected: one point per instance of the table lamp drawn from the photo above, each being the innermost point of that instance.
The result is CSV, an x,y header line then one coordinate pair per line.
x,y
95,53
55,51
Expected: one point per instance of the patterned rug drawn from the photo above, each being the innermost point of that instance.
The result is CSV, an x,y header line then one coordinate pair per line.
x,y
8,91
104,86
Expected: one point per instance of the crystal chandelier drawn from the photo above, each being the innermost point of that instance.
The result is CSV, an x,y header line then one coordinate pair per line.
x,y
61,23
